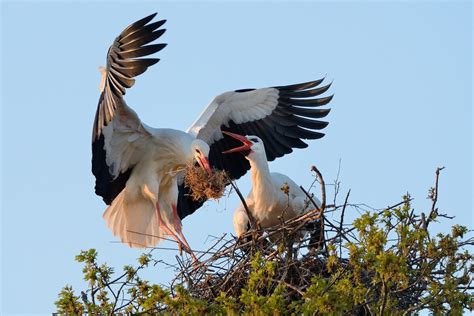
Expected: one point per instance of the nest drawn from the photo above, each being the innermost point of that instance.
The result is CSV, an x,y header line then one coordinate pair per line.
x,y
226,266
297,250
204,186
296,247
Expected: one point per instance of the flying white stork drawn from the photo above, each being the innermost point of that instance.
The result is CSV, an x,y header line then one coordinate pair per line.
x,y
138,169
266,201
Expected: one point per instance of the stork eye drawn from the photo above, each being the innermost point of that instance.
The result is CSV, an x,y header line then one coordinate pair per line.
x,y
198,151
254,140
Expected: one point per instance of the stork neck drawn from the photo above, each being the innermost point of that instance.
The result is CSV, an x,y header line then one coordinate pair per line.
x,y
261,178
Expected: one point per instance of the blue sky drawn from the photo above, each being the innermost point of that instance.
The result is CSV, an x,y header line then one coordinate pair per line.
x,y
402,75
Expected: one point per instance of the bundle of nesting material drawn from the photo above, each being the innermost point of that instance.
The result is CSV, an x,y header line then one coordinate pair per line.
x,y
203,185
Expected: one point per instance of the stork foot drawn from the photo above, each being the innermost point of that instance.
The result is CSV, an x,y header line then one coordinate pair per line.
x,y
178,229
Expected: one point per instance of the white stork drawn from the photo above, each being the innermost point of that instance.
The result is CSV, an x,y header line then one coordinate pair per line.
x,y
266,201
138,169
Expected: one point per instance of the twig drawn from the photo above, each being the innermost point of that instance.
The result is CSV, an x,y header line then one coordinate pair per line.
x,y
342,221
253,222
323,188
434,198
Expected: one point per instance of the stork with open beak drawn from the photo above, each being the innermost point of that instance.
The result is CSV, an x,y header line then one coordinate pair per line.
x,y
267,202
139,169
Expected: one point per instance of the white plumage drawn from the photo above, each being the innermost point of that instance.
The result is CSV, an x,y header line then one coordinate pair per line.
x,y
233,106
139,169
151,192
136,166
267,201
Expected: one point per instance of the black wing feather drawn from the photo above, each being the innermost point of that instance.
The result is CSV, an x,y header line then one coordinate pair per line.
x,y
293,119
122,66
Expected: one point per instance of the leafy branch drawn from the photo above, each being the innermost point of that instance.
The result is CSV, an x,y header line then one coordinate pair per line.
x,y
385,262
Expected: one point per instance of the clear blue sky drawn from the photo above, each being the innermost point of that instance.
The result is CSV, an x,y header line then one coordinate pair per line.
x,y
403,106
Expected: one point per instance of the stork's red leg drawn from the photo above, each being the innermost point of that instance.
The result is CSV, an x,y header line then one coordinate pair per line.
x,y
168,230
177,228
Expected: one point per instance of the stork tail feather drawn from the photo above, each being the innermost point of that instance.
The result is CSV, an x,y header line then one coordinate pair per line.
x,y
134,221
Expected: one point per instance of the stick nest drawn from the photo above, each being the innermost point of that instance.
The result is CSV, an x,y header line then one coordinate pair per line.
x,y
315,245
204,186
298,253
226,266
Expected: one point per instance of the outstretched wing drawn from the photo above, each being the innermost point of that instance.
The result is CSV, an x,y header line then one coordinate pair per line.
x,y
281,116
118,134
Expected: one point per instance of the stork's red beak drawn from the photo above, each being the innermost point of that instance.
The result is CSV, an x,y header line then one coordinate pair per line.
x,y
204,163
247,145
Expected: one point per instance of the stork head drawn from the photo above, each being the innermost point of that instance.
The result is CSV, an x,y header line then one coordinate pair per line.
x,y
250,143
200,153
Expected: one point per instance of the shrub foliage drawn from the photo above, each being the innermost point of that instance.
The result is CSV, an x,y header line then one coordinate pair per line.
x,y
387,262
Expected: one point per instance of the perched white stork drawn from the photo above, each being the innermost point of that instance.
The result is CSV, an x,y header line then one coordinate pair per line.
x,y
139,169
266,201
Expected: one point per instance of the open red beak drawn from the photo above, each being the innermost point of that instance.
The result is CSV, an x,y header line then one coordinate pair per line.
x,y
204,163
247,145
